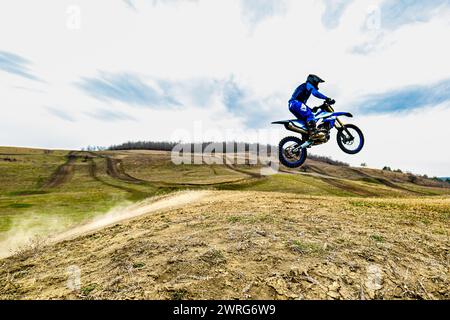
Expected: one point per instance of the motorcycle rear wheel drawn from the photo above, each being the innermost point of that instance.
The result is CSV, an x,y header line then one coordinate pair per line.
x,y
288,158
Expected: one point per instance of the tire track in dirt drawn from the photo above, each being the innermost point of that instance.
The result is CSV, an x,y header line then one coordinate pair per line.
x,y
228,163
347,187
334,181
339,182
17,154
385,182
311,174
93,174
117,215
242,171
316,172
63,173
114,168
144,207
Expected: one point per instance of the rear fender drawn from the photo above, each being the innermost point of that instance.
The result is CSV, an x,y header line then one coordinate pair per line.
x,y
295,125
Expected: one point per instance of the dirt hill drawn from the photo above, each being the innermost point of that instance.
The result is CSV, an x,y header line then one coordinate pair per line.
x,y
132,225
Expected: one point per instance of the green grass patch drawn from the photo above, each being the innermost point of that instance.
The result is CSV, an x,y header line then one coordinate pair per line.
x,y
377,238
20,205
86,290
27,192
234,219
305,247
138,265
178,294
370,180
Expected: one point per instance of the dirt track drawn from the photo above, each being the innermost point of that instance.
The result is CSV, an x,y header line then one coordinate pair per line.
x,y
115,170
63,174
124,213
133,192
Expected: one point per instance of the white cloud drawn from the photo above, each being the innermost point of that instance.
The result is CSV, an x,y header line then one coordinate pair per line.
x,y
207,39
413,141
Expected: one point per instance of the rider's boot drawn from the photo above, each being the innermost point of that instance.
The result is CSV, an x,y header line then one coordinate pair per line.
x,y
312,130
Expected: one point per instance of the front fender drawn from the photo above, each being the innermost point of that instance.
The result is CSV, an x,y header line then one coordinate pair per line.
x,y
342,114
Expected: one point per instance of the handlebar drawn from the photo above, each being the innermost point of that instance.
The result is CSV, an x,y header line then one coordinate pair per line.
x,y
330,101
325,107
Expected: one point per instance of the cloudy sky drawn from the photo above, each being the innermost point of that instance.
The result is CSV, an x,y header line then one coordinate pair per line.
x,y
101,72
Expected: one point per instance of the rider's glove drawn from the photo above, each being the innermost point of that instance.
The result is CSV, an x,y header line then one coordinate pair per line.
x,y
315,109
330,101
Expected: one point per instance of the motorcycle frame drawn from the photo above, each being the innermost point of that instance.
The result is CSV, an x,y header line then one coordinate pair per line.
x,y
341,126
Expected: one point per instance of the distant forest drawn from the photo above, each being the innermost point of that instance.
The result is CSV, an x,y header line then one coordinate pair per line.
x,y
227,147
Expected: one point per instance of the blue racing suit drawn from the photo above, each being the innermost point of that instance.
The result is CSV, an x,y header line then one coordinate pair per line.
x,y
297,104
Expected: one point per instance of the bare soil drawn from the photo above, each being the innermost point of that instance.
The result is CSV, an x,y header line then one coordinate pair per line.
x,y
246,245
63,174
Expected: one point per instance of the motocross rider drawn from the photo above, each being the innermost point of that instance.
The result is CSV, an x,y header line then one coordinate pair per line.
x,y
297,104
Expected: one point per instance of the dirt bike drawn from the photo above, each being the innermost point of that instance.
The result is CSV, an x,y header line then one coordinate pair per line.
x,y
292,151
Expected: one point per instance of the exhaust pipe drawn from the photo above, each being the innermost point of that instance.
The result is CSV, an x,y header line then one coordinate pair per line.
x,y
289,126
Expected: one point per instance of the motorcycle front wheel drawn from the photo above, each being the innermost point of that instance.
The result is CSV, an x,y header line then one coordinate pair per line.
x,y
353,143
287,155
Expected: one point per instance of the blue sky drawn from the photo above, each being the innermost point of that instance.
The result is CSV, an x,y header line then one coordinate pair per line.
x,y
333,12
126,88
74,73
406,99
398,13
15,64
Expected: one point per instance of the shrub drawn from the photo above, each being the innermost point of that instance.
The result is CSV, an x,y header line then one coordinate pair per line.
x,y
412,178
328,160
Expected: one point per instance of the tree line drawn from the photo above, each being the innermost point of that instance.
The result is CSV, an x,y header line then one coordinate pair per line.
x,y
226,147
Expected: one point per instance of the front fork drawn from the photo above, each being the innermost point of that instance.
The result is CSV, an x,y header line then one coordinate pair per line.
x,y
342,126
